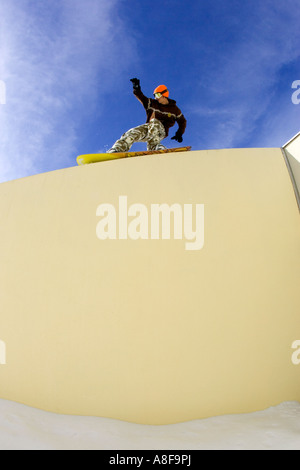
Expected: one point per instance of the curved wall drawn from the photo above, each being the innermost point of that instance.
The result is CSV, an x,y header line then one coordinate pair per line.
x,y
145,329
292,155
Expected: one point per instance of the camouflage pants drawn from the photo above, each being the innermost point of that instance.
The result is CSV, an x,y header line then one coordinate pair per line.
x,y
152,133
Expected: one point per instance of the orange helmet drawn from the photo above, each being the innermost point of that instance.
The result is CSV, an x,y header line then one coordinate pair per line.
x,y
162,89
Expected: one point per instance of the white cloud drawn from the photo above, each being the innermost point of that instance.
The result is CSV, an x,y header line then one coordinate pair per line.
x,y
242,82
56,57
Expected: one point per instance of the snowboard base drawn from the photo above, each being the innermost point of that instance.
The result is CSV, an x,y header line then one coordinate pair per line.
x,y
102,157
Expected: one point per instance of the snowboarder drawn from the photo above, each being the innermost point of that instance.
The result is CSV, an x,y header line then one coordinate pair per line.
x,y
162,113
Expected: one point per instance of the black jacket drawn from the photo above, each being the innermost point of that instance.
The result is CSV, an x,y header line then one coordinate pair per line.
x,y
167,114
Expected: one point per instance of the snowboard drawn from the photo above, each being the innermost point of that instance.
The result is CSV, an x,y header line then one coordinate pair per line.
x,y
102,157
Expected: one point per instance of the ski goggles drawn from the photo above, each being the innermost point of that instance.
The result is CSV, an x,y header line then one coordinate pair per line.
x,y
159,94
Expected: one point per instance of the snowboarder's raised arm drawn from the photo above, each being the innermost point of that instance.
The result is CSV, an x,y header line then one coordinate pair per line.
x,y
136,83
137,91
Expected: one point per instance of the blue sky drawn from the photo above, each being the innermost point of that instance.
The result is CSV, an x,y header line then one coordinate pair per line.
x,y
66,66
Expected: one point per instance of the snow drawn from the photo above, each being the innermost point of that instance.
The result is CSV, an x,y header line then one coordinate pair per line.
x,y
25,428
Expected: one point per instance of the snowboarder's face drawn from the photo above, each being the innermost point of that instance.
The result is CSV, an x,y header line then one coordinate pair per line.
x,y
162,100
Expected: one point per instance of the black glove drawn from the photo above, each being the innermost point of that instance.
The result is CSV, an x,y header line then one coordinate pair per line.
x,y
135,83
177,136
